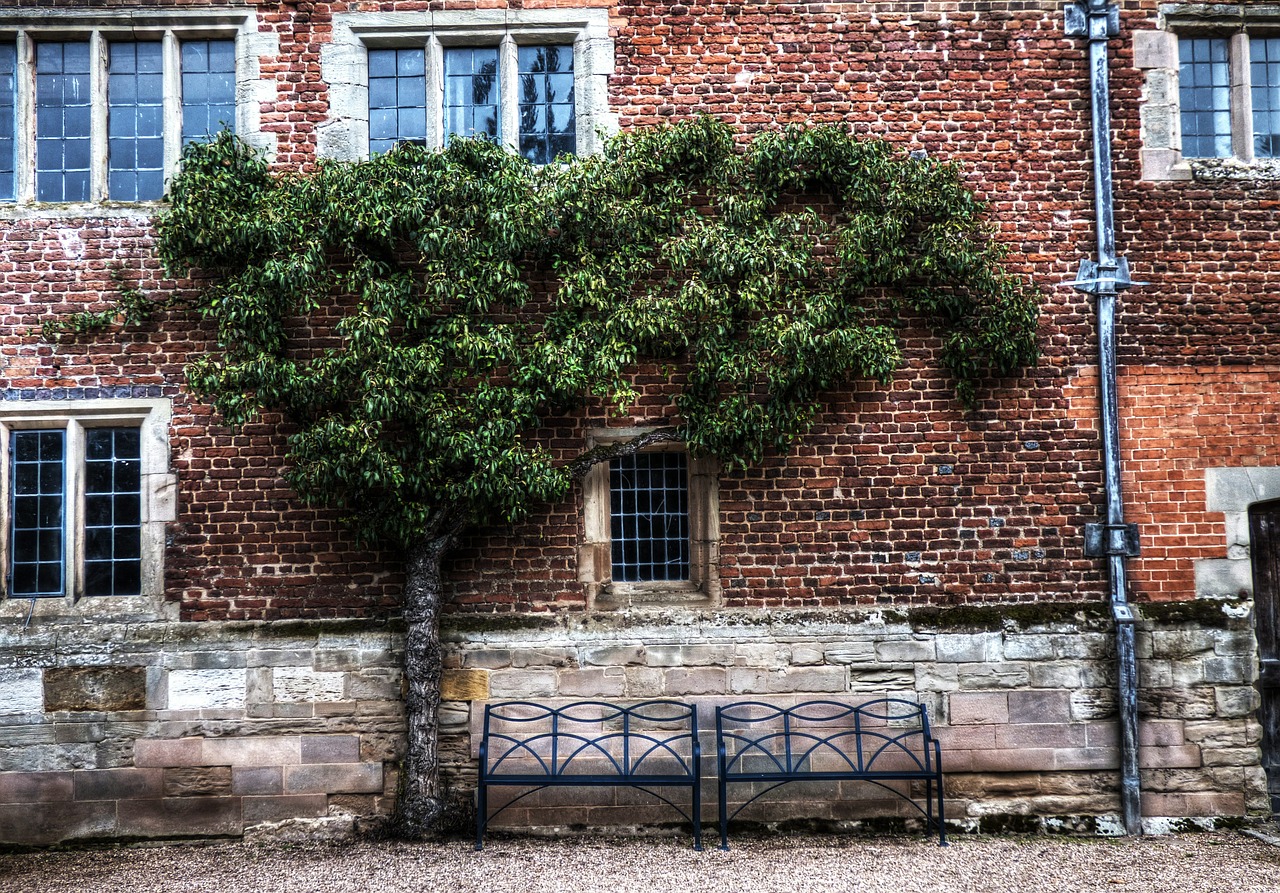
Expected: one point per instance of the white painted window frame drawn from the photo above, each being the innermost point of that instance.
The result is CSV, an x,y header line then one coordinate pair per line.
x,y
100,27
152,416
344,63
1156,55
595,552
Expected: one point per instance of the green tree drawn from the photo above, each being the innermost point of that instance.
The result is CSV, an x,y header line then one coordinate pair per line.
x,y
418,315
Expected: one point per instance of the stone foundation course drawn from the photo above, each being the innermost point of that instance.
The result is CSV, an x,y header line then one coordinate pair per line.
x,y
174,730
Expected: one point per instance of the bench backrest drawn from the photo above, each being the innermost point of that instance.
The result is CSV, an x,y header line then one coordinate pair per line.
x,y
884,735
593,738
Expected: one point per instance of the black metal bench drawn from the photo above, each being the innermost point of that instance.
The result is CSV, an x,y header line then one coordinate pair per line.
x,y
649,745
879,742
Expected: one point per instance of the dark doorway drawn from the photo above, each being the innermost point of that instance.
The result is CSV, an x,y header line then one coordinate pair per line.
x,y
1264,549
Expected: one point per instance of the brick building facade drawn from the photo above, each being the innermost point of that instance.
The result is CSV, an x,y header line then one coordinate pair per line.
x,y
240,666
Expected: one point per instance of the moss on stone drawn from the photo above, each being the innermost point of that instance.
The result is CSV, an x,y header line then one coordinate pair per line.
x,y
461,624
992,618
1201,612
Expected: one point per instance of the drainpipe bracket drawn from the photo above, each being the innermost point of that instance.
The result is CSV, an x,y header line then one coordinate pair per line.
x,y
1122,613
1108,540
1080,12
1094,278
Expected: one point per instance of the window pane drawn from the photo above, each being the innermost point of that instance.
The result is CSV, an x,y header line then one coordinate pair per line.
x,y
1264,59
1204,94
62,121
546,102
113,530
134,110
208,88
36,528
8,121
649,517
397,97
471,92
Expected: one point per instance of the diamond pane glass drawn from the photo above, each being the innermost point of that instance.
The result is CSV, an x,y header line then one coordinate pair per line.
x,y
36,528
135,95
1205,95
649,517
397,97
112,498
63,116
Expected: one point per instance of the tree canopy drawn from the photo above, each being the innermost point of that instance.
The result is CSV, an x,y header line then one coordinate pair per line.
x,y
419,314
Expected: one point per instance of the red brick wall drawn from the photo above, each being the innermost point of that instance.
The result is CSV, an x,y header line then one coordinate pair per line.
x,y
863,510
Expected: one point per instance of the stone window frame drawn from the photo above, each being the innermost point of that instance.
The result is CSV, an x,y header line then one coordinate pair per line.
x,y
152,416
26,28
1155,54
1232,491
702,589
344,65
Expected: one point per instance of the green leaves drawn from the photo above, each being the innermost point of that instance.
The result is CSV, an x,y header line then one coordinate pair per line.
x,y
418,315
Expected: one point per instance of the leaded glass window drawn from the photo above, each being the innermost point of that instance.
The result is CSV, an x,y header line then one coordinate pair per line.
x,y
63,118
208,88
112,512
547,125
471,92
1264,72
397,97
649,517
135,122
38,511
1205,95
8,119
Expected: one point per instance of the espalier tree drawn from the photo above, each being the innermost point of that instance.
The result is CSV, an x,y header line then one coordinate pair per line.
x,y
418,315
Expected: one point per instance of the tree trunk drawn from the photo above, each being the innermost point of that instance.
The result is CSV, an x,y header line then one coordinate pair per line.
x,y
420,800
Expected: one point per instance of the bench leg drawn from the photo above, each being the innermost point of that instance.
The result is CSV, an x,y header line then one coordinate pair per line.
x,y
942,818
695,810
482,807
724,814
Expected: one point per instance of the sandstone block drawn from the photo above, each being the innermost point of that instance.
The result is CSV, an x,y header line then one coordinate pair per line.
x,y
207,689
23,691
376,684
277,809
118,784
850,653
614,656
345,778
1161,733
1087,704
1078,758
1228,670
247,751
300,685
34,787
809,679
1055,674
984,708
907,650
1052,735
167,752
464,685
968,647
874,679
937,677
522,683
1188,804
593,682
806,655
1039,706
1001,675
264,780
1029,646
644,682
1236,701
544,657
179,817
104,689
195,781
1221,733
1184,756
21,824
695,681
330,749
487,659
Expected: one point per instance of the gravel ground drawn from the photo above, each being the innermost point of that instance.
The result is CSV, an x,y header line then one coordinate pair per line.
x,y
1212,863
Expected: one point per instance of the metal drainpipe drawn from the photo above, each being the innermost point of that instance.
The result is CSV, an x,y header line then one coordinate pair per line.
x,y
1099,20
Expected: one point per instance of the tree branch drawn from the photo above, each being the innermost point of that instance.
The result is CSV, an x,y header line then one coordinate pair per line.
x,y
610,451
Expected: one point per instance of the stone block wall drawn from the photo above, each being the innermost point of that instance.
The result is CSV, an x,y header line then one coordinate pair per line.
x,y
1023,705
170,730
